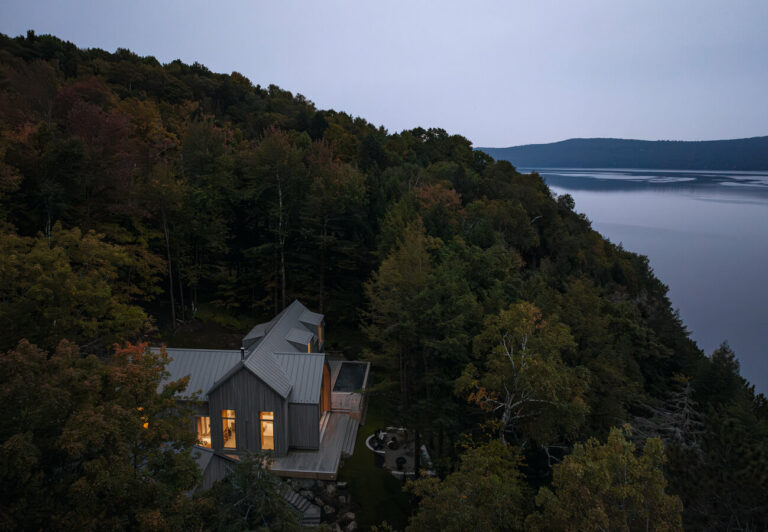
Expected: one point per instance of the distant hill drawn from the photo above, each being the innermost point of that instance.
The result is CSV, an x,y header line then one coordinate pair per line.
x,y
737,154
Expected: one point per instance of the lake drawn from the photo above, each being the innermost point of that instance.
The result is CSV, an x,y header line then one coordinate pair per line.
x,y
705,234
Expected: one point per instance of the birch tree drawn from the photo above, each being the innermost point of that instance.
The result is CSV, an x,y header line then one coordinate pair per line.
x,y
519,377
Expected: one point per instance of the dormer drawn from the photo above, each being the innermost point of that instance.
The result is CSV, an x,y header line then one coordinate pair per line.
x,y
316,323
255,335
302,340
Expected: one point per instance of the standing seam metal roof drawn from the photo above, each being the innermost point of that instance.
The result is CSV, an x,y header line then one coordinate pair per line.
x,y
299,336
273,359
261,360
312,318
204,367
305,371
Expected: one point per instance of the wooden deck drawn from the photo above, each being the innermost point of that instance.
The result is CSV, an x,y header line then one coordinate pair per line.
x,y
338,440
352,403
346,402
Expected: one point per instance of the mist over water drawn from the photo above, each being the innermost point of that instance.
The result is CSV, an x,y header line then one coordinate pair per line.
x,y
705,236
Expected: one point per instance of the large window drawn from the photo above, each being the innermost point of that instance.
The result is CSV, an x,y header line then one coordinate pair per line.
x,y
228,428
204,431
267,431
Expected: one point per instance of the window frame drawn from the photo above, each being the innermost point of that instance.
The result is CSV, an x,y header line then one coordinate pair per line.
x,y
225,426
265,421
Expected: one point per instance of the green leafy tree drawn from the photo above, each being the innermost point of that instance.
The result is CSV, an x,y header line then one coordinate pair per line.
x,y
486,492
393,321
724,481
608,487
723,478
91,445
522,378
334,211
249,499
280,186
72,284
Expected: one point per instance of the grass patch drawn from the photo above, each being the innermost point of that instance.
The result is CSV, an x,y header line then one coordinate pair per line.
x,y
376,495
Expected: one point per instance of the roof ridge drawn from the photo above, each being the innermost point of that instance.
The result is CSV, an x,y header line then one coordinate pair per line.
x,y
280,317
302,353
196,349
263,354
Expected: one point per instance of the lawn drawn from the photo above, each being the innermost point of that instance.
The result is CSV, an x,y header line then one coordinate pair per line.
x,y
377,495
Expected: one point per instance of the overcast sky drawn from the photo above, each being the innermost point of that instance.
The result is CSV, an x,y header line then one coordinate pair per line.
x,y
499,73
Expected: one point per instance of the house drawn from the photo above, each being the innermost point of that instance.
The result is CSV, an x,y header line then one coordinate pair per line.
x,y
278,393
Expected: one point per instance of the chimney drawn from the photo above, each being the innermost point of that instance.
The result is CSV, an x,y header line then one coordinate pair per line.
x,y
242,353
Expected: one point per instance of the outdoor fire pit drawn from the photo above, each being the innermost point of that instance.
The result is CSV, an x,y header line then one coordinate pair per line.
x,y
395,449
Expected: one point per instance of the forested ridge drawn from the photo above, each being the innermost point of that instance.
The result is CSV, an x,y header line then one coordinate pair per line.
x,y
734,154
535,358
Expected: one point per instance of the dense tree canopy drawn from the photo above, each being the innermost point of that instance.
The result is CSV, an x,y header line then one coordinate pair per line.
x,y
248,499
608,487
137,198
486,492
91,445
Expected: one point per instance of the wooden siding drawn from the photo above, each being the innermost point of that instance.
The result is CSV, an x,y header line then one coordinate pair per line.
x,y
325,390
248,395
303,426
217,469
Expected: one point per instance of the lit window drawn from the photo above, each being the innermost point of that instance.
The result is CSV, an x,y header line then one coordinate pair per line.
x,y
309,347
204,431
267,431
228,428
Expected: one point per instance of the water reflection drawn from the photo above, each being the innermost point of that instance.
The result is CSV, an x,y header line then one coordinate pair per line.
x,y
704,233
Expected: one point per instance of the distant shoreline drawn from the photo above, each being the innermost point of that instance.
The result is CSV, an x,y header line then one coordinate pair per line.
x,y
736,155
625,179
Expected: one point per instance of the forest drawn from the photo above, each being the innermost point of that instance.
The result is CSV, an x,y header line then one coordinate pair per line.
x,y
543,366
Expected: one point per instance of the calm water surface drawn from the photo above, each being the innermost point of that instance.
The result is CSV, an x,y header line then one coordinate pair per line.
x,y
705,236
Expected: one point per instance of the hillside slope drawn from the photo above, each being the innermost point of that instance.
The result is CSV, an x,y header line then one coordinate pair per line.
x,y
138,199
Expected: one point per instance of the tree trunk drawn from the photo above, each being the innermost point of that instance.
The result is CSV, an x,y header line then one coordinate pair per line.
x,y
505,418
281,239
181,295
323,243
417,455
427,389
170,268
403,382
275,283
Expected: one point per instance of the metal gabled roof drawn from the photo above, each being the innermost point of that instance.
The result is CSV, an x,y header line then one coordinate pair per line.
x,y
202,456
311,318
305,371
263,365
275,340
258,331
299,336
208,368
204,367
261,360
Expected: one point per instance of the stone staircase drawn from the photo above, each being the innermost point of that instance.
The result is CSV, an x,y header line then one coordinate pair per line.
x,y
309,513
